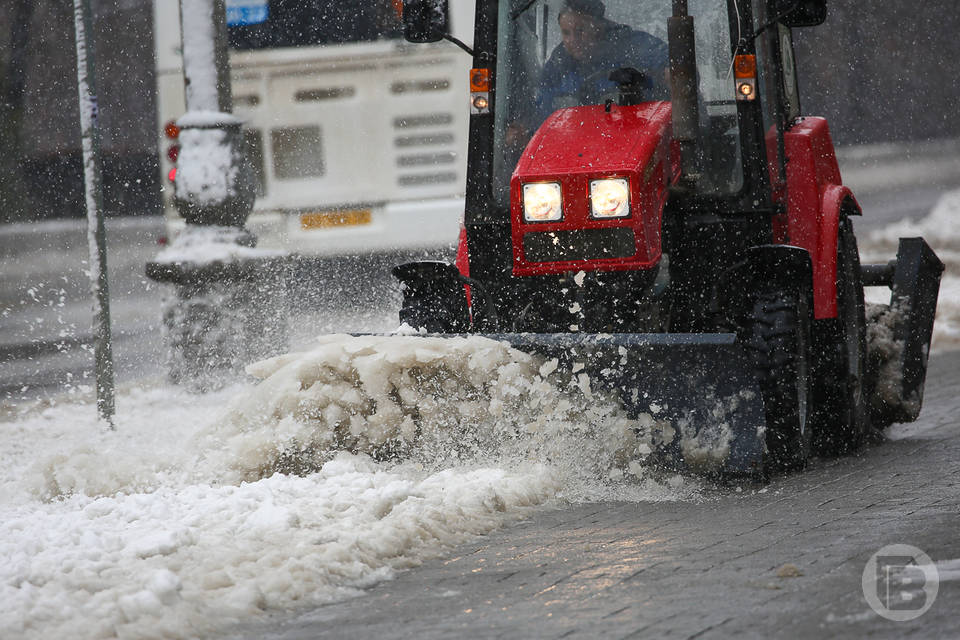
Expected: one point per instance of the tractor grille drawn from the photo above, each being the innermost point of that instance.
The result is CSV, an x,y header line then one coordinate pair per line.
x,y
581,244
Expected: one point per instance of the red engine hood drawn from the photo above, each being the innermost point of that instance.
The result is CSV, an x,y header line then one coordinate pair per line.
x,y
581,137
580,144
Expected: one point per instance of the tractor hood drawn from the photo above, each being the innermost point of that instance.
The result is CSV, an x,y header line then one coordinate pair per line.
x,y
589,190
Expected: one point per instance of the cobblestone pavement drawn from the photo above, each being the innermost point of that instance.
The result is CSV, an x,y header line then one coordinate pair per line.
x,y
708,569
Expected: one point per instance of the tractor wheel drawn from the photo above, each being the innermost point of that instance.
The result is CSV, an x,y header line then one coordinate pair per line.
x,y
777,335
841,417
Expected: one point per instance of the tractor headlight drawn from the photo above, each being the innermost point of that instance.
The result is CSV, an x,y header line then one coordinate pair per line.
x,y
542,202
610,198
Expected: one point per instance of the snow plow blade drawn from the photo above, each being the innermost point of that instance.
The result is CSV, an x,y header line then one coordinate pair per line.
x,y
702,385
901,331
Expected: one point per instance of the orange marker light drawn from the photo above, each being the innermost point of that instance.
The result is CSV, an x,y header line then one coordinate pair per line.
x,y
745,66
479,80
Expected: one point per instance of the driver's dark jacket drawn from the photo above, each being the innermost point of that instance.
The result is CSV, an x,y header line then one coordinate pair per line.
x,y
562,75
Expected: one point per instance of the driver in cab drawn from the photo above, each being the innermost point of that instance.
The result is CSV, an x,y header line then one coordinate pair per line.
x,y
578,70
592,46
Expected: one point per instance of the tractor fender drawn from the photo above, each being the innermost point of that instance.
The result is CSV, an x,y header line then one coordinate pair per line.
x,y
463,262
418,276
836,201
784,265
816,201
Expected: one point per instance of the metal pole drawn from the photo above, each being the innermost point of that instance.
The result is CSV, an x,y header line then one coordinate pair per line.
x,y
96,232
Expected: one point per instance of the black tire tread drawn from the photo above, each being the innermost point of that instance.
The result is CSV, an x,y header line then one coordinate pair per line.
x,y
771,338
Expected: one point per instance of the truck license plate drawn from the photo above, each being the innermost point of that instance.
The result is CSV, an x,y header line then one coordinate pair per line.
x,y
330,219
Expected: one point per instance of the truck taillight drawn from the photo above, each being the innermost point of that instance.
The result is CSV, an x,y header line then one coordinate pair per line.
x,y
172,132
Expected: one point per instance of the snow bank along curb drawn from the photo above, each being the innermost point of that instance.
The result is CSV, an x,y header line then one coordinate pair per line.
x,y
880,167
941,231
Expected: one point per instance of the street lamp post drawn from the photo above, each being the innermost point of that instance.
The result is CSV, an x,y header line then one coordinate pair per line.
x,y
230,296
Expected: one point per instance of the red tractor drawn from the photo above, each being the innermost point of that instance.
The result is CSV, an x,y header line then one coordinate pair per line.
x,y
645,199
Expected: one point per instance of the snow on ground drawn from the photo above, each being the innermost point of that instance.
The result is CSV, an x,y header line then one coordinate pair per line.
x,y
941,230
200,512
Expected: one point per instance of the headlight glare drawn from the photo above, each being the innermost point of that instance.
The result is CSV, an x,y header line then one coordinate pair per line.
x,y
542,202
610,198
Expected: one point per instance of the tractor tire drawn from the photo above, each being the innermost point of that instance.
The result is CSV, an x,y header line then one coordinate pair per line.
x,y
776,333
841,416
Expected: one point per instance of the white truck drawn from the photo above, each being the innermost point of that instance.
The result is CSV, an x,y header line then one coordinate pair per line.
x,y
357,138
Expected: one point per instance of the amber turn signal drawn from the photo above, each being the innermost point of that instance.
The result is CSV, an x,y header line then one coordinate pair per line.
x,y
745,66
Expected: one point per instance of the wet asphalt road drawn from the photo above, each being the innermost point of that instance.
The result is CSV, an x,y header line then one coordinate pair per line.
x,y
786,561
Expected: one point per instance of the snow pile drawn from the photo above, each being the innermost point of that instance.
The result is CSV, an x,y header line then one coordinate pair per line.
x,y
180,562
439,401
348,462
706,445
942,233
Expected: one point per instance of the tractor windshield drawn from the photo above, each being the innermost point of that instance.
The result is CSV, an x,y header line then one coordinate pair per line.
x,y
560,53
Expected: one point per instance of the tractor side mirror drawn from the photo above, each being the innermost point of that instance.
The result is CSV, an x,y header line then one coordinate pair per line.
x,y
424,20
803,13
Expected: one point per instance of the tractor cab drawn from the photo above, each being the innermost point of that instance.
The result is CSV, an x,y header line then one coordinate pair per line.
x,y
561,54
646,203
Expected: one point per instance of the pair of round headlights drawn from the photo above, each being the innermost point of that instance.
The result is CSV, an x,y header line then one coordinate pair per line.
x,y
609,198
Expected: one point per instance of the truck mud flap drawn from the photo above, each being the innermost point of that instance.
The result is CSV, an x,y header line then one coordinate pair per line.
x,y
695,393
899,334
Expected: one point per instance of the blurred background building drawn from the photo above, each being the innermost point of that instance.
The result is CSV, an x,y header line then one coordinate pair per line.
x,y
880,71
40,166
